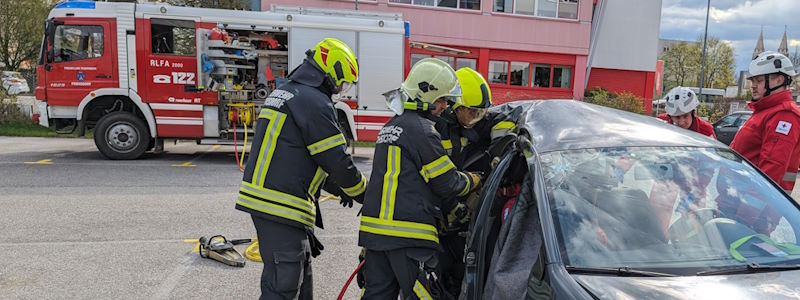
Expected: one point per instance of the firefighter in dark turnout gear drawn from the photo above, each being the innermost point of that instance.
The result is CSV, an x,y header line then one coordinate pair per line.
x,y
411,176
464,134
468,129
297,145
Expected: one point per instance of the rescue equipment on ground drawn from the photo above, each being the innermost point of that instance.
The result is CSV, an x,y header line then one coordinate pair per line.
x,y
221,249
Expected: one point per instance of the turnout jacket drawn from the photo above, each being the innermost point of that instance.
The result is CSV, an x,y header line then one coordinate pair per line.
x,y
411,176
769,138
297,145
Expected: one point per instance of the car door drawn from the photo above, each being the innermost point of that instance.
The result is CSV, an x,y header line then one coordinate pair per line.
x,y
726,128
474,259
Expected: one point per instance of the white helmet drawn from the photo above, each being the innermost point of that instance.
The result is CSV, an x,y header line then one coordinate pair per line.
x,y
769,62
680,101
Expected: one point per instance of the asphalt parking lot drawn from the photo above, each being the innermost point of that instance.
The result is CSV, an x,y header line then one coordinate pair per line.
x,y
78,226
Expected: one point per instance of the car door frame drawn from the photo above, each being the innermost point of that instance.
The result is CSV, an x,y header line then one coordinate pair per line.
x,y
474,261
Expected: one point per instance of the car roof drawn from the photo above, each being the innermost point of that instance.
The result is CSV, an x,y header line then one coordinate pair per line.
x,y
555,125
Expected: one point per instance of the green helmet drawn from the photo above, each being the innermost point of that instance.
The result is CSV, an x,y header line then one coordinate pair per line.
x,y
431,79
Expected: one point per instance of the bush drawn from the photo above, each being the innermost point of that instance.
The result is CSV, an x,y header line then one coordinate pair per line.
x,y
9,111
622,101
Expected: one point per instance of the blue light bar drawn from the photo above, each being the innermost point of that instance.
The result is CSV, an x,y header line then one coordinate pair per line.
x,y
76,4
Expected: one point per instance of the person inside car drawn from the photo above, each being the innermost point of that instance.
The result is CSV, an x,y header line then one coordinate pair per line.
x,y
681,109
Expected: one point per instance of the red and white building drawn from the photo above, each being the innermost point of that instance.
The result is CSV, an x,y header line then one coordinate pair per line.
x,y
531,49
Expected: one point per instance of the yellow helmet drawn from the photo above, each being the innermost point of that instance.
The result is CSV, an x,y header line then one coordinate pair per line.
x,y
337,60
430,79
475,91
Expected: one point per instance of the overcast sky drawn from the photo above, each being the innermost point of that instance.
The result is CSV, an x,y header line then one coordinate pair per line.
x,y
735,21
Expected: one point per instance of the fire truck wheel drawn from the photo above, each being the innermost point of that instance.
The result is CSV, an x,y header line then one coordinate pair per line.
x,y
121,135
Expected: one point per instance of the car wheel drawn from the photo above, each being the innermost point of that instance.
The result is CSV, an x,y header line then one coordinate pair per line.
x,y
121,135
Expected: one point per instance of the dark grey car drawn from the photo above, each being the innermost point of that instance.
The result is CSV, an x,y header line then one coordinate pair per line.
x,y
726,128
607,204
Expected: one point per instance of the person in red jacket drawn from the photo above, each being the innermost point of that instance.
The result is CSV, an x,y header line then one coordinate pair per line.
x,y
681,111
769,139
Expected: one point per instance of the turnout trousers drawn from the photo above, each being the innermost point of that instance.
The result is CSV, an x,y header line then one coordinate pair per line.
x,y
286,254
388,273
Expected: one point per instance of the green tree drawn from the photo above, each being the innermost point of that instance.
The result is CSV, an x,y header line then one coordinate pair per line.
x,y
22,30
680,65
720,64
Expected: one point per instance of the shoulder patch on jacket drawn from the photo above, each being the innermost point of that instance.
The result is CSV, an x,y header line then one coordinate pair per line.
x,y
277,98
389,134
783,127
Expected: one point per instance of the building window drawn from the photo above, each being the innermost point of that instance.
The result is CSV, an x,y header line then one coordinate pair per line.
x,y
562,76
453,61
503,6
519,73
417,57
565,9
448,59
541,75
463,4
78,42
568,9
172,37
470,4
466,63
498,72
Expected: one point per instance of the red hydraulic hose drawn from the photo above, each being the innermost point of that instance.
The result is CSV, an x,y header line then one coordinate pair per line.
x,y
347,284
235,150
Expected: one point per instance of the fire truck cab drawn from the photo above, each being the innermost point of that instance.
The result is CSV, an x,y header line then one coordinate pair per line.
x,y
138,74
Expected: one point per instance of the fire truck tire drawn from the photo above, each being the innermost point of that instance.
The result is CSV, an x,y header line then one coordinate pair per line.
x,y
121,136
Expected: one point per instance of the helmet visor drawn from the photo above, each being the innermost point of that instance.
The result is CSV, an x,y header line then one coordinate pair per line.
x,y
345,87
469,116
454,96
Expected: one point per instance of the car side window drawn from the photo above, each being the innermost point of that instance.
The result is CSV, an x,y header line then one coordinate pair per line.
x,y
172,37
728,121
78,42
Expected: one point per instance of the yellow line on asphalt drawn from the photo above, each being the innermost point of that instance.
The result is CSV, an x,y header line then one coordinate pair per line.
x,y
196,245
40,162
186,164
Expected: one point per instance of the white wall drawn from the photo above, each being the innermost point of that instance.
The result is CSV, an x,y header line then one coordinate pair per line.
x,y
627,38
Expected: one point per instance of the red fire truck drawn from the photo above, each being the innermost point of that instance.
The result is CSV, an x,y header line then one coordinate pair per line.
x,y
139,74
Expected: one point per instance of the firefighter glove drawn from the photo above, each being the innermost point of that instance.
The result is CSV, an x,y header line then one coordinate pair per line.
x,y
345,201
474,180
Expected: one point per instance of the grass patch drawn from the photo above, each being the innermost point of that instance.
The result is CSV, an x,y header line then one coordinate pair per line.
x,y
365,144
30,129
